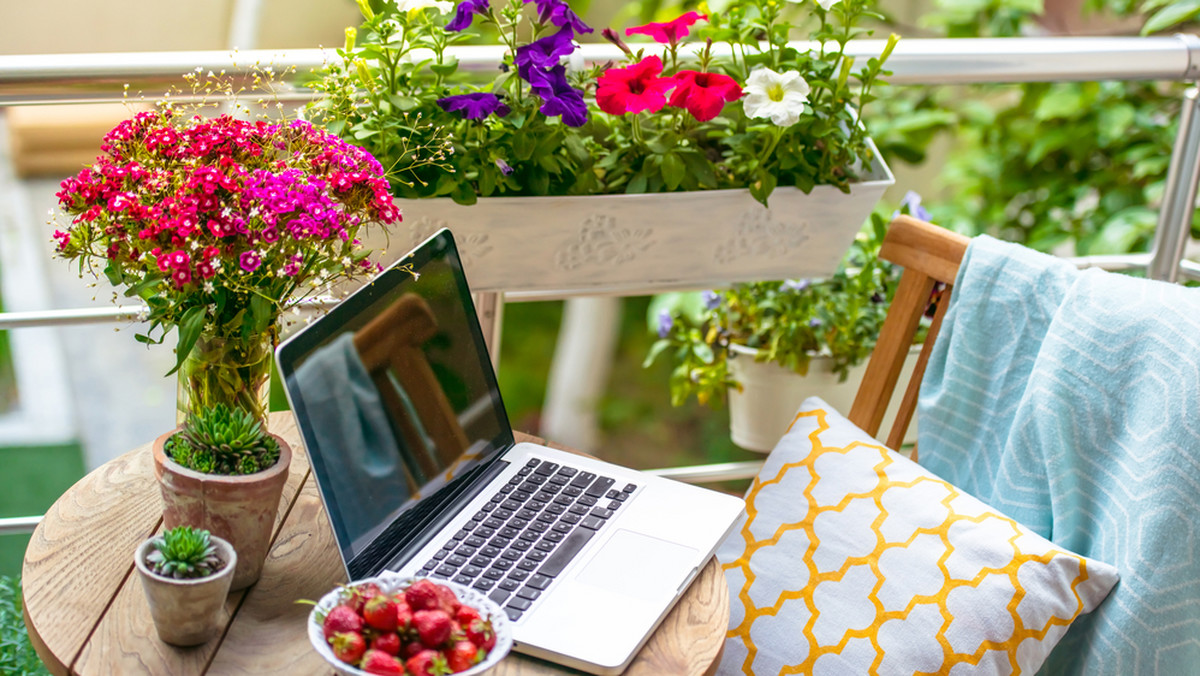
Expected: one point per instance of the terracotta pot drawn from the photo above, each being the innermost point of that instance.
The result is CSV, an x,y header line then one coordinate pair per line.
x,y
240,509
187,612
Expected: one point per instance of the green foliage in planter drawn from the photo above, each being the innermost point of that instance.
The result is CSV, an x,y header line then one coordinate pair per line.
x,y
788,322
396,92
223,440
1081,165
184,553
17,655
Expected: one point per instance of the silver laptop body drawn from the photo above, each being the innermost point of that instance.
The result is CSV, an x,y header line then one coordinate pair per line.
x,y
397,402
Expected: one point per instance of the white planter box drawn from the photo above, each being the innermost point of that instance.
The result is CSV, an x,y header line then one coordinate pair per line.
x,y
558,246
761,413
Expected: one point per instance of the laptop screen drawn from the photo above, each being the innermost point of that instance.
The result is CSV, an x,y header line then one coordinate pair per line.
x,y
395,396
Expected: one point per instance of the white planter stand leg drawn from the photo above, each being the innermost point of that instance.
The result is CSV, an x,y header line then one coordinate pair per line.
x,y
579,370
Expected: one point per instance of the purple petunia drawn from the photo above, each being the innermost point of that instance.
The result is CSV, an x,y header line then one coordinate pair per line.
x,y
559,13
712,300
796,285
474,106
503,166
912,200
665,323
558,97
544,53
465,12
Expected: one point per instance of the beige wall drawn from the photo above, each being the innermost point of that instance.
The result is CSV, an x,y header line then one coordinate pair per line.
x,y
80,26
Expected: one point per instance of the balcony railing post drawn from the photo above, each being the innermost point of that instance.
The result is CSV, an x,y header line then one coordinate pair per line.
x,y
1179,195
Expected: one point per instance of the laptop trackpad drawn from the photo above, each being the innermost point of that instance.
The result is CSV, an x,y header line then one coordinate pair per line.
x,y
638,565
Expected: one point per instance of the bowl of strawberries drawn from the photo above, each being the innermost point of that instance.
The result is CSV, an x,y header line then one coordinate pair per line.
x,y
393,624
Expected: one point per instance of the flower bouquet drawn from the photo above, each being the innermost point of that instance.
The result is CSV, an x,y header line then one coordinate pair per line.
x,y
718,101
219,225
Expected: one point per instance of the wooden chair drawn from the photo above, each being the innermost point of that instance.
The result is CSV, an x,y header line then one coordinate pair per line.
x,y
929,255
390,347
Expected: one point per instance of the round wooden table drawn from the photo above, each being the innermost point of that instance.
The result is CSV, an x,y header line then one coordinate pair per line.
x,y
86,612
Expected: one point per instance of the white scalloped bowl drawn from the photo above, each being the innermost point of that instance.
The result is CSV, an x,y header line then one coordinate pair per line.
x,y
390,583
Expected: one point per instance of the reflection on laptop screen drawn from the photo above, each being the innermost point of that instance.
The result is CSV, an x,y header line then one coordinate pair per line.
x,y
395,394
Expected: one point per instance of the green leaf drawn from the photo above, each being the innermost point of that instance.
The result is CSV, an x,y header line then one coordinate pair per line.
x,y
190,327
1061,102
1172,14
523,146
445,69
673,170
656,349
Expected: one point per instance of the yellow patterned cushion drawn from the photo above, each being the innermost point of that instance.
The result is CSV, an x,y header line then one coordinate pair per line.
x,y
852,559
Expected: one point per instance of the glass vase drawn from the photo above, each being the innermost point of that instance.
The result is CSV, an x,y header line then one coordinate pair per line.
x,y
227,371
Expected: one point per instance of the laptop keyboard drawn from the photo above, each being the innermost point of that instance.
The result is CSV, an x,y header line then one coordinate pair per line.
x,y
524,537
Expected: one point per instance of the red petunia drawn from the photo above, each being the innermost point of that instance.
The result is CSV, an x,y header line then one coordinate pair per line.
x,y
668,32
633,89
704,94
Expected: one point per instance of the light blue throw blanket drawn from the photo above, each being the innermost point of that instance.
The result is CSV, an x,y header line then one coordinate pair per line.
x,y
1071,401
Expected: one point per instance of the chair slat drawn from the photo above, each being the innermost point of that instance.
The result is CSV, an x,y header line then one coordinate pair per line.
x,y
908,405
928,254
916,245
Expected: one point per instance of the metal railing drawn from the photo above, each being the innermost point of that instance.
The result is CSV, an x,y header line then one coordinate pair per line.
x,y
88,78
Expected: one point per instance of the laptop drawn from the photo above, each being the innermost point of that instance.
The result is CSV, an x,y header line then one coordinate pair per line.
x,y
397,402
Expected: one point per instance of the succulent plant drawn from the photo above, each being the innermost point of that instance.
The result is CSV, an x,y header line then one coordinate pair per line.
x,y
184,553
223,440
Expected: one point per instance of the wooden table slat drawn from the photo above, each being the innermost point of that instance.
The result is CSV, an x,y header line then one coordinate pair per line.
x,y
85,546
268,634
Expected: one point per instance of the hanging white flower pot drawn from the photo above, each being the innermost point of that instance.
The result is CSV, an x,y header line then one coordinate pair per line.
x,y
607,243
764,409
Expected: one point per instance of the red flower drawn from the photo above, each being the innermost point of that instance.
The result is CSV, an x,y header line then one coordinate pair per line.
x,y
669,32
633,89
704,94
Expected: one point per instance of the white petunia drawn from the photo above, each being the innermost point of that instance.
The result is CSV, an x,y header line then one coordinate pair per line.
x,y
826,4
777,96
443,6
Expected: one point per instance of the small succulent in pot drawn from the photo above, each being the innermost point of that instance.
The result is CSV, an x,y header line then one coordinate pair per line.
x,y
184,553
223,440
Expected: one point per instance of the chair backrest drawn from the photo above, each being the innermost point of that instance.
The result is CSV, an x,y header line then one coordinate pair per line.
x,y
929,255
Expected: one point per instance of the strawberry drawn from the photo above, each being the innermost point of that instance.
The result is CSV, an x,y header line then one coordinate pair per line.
x,y
379,662
427,663
463,655
480,633
422,595
361,594
433,627
447,600
380,612
466,614
403,616
388,642
348,646
411,648
342,619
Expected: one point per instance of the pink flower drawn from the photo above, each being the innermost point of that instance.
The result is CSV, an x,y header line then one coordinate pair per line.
x,y
704,94
205,270
633,89
63,239
669,32
181,276
119,202
178,260
250,260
